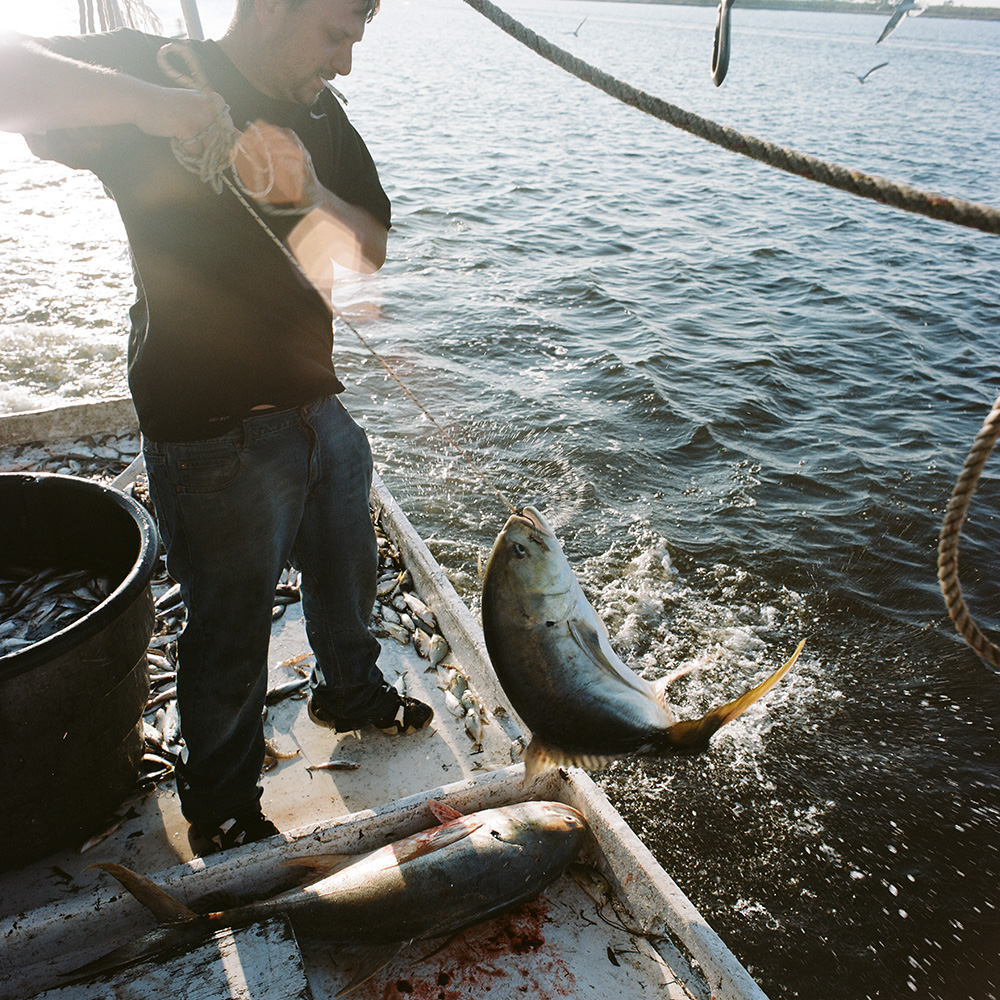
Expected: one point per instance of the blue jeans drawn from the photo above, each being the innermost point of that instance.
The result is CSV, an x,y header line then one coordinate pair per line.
x,y
232,510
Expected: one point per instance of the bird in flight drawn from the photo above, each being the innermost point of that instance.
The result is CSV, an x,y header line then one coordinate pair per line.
x,y
911,8
864,79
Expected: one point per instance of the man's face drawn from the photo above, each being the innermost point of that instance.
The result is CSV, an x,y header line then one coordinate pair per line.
x,y
309,43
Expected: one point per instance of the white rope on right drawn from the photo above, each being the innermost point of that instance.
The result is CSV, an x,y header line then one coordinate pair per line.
x,y
951,529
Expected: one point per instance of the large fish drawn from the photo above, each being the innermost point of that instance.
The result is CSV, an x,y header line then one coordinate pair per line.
x,y
429,885
551,654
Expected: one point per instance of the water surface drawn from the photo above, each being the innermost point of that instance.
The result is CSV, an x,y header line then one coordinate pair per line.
x,y
741,398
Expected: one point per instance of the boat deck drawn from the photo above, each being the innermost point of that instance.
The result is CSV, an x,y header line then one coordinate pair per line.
x,y
615,925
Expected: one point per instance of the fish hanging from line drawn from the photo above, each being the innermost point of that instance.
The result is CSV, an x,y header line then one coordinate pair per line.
x,y
551,654
721,43
429,885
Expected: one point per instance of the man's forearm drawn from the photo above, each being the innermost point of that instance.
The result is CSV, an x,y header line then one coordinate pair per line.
x,y
366,250
40,90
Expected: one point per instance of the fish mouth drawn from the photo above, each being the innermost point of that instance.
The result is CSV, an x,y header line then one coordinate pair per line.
x,y
563,818
538,527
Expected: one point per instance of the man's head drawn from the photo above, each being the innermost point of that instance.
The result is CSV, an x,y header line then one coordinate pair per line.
x,y
291,47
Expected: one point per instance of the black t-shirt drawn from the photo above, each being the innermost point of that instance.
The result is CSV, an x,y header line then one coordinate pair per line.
x,y
222,320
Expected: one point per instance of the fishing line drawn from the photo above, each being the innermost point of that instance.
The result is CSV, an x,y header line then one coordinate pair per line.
x,y
211,155
423,409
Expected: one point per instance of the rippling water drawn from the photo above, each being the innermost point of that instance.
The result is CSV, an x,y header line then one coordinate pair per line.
x,y
742,399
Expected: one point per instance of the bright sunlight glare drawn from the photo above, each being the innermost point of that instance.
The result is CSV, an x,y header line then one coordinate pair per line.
x,y
62,17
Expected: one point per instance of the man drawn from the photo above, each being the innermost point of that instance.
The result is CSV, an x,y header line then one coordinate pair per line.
x,y
251,458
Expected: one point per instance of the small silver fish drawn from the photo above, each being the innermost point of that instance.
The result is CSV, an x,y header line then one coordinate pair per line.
x,y
438,649
454,705
272,755
421,611
289,689
422,643
335,765
474,726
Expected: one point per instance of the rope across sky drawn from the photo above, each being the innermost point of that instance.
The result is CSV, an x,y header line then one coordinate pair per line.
x,y
936,206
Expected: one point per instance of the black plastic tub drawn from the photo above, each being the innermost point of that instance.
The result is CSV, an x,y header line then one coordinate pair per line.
x,y
71,704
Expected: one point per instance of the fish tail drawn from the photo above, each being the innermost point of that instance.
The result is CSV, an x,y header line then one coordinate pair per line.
x,y
164,940
692,736
541,757
158,901
181,926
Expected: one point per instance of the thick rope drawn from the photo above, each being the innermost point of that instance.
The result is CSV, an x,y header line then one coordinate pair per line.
x,y
910,199
951,529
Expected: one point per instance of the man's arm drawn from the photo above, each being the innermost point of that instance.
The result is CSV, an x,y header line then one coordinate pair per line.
x,y
40,90
276,169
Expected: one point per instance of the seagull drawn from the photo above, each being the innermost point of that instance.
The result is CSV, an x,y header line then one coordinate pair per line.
x,y
913,8
863,79
578,27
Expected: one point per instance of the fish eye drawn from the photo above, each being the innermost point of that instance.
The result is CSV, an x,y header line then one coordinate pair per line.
x,y
519,550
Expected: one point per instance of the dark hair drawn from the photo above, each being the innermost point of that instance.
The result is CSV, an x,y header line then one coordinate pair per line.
x,y
245,6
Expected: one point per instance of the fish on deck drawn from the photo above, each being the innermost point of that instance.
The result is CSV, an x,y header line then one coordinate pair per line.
x,y
429,885
551,654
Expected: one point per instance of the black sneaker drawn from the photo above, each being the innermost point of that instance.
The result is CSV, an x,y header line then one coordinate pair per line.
x,y
409,716
232,832
403,716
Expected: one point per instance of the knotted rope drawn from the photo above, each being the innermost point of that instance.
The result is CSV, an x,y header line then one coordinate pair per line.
x,y
951,529
215,149
910,199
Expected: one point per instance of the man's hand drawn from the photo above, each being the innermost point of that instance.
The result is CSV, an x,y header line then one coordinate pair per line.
x,y
275,168
177,113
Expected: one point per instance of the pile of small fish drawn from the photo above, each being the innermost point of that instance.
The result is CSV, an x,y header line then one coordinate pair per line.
x,y
35,604
399,613
38,602
96,457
